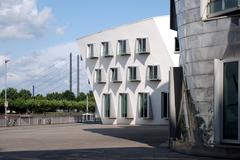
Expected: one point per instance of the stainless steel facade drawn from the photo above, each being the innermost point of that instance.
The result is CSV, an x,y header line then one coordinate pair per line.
x,y
206,40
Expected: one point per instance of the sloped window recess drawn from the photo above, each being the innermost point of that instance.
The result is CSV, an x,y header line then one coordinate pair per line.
x,y
142,46
115,75
106,49
153,72
133,74
100,76
145,106
124,104
164,104
123,48
223,7
177,47
91,51
107,105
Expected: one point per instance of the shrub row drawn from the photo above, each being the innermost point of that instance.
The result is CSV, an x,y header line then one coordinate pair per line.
x,y
42,106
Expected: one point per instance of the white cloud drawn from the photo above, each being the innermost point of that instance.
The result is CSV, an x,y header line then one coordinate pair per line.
x,y
60,31
22,19
47,69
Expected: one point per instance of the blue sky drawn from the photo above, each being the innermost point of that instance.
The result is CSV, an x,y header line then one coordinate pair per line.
x,y
81,17
31,29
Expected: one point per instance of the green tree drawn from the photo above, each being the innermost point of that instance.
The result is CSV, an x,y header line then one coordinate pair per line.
x,y
54,96
82,97
68,95
24,94
39,97
11,94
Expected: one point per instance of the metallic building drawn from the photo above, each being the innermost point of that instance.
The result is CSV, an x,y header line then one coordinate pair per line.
x,y
204,103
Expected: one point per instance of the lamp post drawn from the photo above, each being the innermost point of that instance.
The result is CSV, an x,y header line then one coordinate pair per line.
x,y
5,99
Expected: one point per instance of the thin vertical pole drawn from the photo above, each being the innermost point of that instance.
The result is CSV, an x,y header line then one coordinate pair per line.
x,y
33,91
78,85
70,80
5,97
87,103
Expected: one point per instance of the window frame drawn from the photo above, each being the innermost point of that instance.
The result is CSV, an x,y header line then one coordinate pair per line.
x,y
137,79
100,79
222,12
142,109
91,51
115,71
122,50
107,113
142,46
229,140
151,73
125,114
218,101
106,52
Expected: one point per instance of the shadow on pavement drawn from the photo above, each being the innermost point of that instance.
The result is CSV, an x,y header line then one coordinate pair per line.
x,y
137,153
151,135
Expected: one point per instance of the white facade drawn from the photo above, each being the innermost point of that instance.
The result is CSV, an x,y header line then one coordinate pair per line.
x,y
142,44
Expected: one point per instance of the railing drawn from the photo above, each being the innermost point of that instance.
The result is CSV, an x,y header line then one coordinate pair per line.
x,y
221,7
28,120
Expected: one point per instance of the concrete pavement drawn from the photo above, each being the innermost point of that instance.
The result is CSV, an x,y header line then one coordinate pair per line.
x,y
86,142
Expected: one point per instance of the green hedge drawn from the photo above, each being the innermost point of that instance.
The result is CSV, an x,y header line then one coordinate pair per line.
x,y
41,106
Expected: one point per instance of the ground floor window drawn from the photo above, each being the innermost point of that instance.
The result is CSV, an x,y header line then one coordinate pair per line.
x,y
144,105
164,104
124,104
106,104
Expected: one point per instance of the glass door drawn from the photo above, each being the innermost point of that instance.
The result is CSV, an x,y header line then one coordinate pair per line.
x,y
230,108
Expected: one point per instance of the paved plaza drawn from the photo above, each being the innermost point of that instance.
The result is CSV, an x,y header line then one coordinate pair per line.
x,y
86,142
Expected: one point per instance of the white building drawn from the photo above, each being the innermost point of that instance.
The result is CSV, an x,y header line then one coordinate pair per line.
x,y
128,69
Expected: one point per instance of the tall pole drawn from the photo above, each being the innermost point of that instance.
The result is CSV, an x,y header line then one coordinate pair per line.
x,y
87,103
70,80
33,91
78,85
5,99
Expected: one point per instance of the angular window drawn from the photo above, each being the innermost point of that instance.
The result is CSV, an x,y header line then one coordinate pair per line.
x,y
90,51
144,105
142,46
107,104
106,49
153,73
115,75
223,7
123,47
124,104
99,78
133,74
164,104
230,101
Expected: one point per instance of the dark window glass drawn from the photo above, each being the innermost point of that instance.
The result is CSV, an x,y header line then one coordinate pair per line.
x,y
132,73
122,46
105,46
90,50
143,105
124,105
177,44
107,105
222,7
230,101
164,106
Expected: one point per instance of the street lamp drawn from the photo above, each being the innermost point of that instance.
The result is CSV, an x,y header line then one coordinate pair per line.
x,y
5,101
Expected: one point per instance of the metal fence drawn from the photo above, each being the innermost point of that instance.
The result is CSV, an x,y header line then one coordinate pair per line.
x,y
27,120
